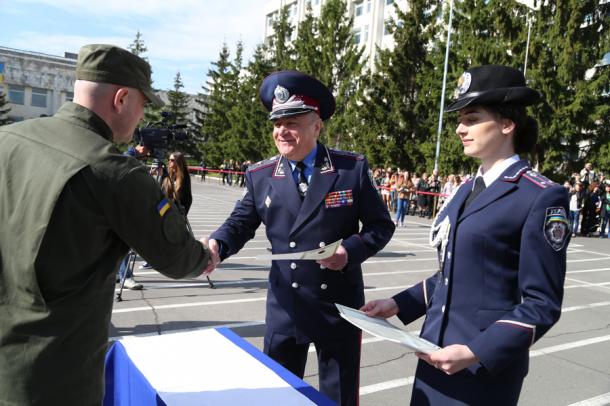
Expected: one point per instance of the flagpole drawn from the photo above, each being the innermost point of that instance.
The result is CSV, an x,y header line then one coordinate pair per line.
x,y
442,109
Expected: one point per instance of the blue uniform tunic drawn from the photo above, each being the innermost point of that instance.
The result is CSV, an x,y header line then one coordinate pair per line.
x,y
301,295
499,289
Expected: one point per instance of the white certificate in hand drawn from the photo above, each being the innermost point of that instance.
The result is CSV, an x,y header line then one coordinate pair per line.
x,y
381,328
314,255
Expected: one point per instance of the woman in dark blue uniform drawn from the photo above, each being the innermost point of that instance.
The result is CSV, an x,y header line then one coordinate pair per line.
x,y
501,240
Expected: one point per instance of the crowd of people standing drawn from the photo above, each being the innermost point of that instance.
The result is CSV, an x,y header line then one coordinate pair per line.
x,y
406,192
409,193
589,203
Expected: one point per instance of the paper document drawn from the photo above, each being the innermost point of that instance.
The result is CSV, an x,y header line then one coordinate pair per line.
x,y
381,328
317,254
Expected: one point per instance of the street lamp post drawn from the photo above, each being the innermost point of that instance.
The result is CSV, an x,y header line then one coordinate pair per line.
x,y
527,45
442,109
531,5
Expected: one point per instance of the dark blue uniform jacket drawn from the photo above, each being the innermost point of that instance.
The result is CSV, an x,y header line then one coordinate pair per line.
x,y
500,287
341,194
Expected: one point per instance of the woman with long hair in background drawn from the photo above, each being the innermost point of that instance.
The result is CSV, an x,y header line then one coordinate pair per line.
x,y
177,185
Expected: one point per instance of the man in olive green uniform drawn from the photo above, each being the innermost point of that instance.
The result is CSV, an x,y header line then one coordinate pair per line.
x,y
70,205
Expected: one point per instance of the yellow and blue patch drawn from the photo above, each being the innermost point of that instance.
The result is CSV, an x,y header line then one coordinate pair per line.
x,y
163,207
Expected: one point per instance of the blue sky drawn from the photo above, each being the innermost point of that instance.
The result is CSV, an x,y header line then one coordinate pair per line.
x,y
181,35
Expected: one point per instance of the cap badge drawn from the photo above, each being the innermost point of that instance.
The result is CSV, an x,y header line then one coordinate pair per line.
x,y
281,94
464,83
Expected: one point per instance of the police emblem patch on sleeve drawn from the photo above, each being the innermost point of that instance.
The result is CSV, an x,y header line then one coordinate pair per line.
x,y
556,227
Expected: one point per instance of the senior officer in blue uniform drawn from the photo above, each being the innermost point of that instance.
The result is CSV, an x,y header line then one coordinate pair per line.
x,y
309,196
502,242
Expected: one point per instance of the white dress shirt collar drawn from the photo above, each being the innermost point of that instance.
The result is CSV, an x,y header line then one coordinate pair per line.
x,y
494,173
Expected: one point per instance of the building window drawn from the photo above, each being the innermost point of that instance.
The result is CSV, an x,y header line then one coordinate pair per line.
x,y
359,9
386,27
39,97
316,2
357,34
16,94
69,96
270,19
292,11
368,6
15,119
366,33
388,2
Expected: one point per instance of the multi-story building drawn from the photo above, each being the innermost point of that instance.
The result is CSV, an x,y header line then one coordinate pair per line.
x,y
36,84
370,20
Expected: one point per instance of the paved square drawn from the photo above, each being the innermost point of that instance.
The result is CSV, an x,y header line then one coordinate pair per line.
x,y
570,364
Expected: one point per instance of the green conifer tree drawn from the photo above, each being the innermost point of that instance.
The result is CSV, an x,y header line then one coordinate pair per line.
x,y
340,69
213,105
179,109
152,114
4,109
306,45
138,47
250,126
568,40
391,113
280,44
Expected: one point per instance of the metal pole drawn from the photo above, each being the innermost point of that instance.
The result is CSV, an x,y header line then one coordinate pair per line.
x,y
442,110
527,46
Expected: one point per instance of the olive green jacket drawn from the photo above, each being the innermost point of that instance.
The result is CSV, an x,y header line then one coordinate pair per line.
x,y
70,206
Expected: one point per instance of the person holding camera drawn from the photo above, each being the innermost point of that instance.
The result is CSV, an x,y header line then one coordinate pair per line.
x,y
66,228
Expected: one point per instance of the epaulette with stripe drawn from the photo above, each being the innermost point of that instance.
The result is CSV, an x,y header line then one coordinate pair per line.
x,y
347,154
262,164
538,179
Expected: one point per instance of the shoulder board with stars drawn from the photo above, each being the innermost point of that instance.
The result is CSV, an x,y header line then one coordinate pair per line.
x,y
263,164
538,179
347,154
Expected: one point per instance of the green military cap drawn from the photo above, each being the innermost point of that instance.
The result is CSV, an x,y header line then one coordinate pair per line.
x,y
111,64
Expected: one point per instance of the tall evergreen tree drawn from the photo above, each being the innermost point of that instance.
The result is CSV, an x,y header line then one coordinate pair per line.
x,y
179,109
307,44
138,47
250,126
231,136
152,114
567,41
4,109
391,130
340,69
213,106
280,44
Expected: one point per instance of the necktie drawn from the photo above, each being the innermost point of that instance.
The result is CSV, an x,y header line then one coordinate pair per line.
x,y
303,185
479,186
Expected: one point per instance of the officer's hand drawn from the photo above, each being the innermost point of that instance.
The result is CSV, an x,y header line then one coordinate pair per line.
x,y
380,308
337,261
450,359
214,249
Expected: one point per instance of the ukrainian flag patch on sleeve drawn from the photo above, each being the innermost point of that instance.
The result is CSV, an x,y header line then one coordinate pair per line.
x,y
163,206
